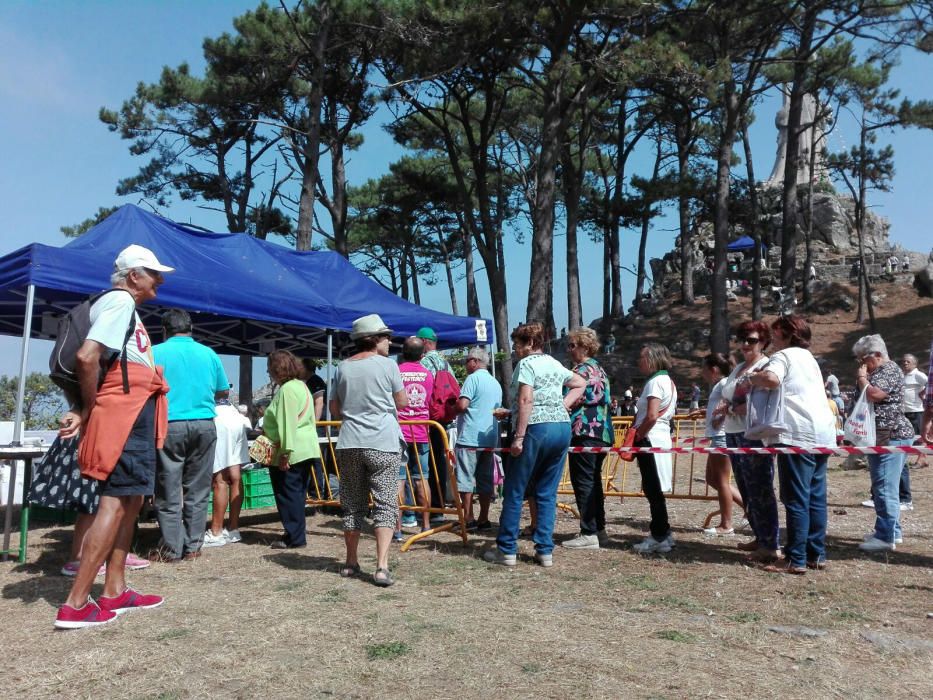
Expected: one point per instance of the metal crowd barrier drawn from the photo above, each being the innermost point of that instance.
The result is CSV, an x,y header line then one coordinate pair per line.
x,y
325,481
622,479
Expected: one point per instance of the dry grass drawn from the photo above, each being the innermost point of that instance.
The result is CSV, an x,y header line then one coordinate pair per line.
x,y
244,621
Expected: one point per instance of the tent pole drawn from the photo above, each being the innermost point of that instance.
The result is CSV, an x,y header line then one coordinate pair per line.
x,y
492,359
330,358
24,356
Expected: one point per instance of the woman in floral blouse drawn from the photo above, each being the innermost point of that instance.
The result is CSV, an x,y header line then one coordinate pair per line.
x,y
591,426
883,383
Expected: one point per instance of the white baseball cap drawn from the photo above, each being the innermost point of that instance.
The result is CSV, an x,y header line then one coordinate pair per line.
x,y
137,256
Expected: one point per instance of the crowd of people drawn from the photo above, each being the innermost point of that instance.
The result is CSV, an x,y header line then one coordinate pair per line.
x,y
162,426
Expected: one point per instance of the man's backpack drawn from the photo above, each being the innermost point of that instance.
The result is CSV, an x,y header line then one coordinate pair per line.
x,y
72,332
443,407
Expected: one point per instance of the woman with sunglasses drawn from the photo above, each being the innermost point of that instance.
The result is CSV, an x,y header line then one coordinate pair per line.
x,y
802,475
754,474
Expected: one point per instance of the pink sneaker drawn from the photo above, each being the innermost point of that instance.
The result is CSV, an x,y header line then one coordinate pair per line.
x,y
71,569
134,563
88,615
130,600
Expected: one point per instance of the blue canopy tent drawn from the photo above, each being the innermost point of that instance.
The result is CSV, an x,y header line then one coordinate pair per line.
x,y
743,243
245,296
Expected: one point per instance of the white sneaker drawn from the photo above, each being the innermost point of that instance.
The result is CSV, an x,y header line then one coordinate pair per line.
x,y
603,537
873,544
898,539
212,540
651,545
868,504
545,560
233,536
907,506
495,556
582,541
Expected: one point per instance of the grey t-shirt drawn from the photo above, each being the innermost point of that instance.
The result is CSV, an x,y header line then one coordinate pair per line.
x,y
365,391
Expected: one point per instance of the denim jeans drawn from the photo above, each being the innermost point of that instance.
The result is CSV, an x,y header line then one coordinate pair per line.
x,y
885,473
586,475
803,491
754,476
538,468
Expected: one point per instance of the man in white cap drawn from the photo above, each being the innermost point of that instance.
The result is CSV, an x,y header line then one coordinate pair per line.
x,y
122,418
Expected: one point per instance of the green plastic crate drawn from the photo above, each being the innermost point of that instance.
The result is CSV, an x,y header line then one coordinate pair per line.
x,y
51,515
252,503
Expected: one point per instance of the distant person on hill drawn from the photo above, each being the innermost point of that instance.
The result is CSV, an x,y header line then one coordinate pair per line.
x,y
694,397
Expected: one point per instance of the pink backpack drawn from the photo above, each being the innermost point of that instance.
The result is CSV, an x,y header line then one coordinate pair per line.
x,y
443,408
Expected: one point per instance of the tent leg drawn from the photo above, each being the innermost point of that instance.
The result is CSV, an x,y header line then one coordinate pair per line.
x,y
492,359
330,358
24,357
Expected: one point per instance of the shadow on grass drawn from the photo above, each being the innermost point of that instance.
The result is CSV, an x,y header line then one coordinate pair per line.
x,y
303,562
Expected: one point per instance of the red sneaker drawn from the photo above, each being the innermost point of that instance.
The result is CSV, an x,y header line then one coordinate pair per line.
x,y
134,563
130,600
88,615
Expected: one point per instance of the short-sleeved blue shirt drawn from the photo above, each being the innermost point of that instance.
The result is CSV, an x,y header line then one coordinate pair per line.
x,y
477,427
194,374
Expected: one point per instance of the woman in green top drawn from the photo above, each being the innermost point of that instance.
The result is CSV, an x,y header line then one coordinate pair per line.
x,y
289,423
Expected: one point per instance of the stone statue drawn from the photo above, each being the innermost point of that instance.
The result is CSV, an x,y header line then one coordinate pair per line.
x,y
812,137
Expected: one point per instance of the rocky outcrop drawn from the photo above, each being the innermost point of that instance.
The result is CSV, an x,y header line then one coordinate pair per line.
x,y
923,280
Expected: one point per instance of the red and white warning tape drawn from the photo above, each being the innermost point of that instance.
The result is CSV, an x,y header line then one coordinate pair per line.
x,y
785,450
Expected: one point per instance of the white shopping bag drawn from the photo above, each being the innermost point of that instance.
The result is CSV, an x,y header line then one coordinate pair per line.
x,y
859,429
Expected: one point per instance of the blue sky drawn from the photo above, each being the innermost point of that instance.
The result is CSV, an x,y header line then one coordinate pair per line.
x,y
61,61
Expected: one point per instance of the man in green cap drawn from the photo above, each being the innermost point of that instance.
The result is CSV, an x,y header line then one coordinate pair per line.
x,y
435,362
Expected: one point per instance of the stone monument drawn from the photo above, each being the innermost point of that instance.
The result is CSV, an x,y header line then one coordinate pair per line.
x,y
812,138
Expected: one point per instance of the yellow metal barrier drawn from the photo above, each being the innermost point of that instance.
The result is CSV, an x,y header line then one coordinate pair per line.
x,y
621,481
322,490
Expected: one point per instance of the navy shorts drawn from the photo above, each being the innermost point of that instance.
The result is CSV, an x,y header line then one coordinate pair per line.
x,y
134,474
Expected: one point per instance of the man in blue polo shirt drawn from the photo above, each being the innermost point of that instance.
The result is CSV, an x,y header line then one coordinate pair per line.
x,y
185,463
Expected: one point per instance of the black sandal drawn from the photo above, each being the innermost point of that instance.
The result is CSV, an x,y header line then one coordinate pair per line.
x,y
350,570
382,578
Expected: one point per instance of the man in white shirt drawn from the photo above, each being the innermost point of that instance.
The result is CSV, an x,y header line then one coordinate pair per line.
x,y
915,387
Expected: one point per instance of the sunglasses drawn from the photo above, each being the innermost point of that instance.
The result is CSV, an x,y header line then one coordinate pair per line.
x,y
749,341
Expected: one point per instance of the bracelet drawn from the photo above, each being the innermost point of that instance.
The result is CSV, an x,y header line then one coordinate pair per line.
x,y
518,437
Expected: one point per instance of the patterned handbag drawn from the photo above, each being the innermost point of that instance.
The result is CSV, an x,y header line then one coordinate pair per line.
x,y
57,482
263,450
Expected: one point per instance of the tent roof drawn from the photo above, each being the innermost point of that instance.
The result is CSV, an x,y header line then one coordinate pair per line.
x,y
245,295
743,243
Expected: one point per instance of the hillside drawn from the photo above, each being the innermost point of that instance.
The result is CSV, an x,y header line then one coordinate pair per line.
x,y
905,321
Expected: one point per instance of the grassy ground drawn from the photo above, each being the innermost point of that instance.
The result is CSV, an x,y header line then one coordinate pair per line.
x,y
245,621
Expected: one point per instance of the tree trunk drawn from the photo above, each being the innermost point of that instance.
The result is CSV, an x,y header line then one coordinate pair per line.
x,y
540,285
607,283
472,296
312,140
683,139
719,312
860,224
789,204
451,289
413,267
574,300
755,223
615,223
645,227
